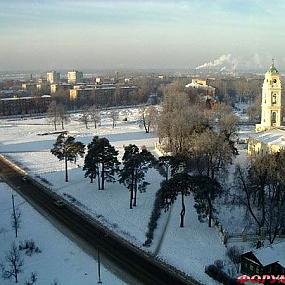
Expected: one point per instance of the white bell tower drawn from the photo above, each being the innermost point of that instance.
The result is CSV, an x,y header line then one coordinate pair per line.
x,y
271,100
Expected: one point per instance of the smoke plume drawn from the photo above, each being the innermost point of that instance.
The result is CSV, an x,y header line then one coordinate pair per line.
x,y
224,62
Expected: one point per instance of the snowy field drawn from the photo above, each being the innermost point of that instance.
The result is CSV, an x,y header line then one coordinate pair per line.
x,y
186,248
60,259
21,143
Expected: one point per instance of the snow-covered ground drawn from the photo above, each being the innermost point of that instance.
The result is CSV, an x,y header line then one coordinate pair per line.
x,y
60,259
22,143
193,247
190,248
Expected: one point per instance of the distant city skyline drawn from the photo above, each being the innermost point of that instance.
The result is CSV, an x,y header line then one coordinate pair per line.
x,y
88,35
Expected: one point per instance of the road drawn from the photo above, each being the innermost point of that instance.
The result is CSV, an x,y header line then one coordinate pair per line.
x,y
141,266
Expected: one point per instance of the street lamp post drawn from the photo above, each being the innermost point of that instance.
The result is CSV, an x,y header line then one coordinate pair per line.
x,y
99,267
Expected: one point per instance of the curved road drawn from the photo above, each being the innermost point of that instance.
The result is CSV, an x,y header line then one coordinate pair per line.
x,y
142,266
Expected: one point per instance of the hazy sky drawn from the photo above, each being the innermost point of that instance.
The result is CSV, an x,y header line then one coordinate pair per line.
x,y
59,34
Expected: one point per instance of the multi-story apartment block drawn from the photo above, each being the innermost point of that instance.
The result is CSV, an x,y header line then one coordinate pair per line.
x,y
104,94
53,77
74,76
24,105
59,86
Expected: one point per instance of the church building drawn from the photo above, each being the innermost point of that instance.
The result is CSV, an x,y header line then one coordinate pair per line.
x,y
270,135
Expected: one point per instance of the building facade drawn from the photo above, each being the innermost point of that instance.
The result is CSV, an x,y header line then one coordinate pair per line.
x,y
202,84
270,134
59,86
53,77
74,76
24,105
103,95
271,101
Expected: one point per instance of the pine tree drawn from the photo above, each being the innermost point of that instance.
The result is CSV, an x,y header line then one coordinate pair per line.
x,y
164,166
101,161
207,190
135,164
67,149
180,183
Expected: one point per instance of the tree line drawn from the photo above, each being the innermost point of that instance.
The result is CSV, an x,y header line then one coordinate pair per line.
x,y
261,191
58,116
101,164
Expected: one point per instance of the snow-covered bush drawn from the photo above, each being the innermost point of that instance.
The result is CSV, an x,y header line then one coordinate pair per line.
x,y
29,247
234,254
219,275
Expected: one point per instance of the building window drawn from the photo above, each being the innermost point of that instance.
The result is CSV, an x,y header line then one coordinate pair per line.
x,y
274,99
273,118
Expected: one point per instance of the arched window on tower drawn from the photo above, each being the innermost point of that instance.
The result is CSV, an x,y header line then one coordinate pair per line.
x,y
273,118
274,99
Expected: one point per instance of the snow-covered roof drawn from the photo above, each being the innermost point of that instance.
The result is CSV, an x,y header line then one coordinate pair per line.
x,y
271,137
197,85
15,98
105,87
128,87
24,98
9,91
271,254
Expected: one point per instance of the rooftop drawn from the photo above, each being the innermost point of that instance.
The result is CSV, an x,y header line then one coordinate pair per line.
x,y
23,98
273,69
271,137
271,254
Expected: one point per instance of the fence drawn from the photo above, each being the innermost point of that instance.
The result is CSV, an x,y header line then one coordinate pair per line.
x,y
227,237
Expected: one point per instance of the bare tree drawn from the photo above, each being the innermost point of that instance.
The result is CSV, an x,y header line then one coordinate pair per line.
x,y
263,193
178,120
15,217
53,114
14,264
85,116
254,111
94,113
114,116
234,254
32,280
64,118
211,152
149,117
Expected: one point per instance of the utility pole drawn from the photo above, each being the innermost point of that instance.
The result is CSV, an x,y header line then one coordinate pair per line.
x,y
99,267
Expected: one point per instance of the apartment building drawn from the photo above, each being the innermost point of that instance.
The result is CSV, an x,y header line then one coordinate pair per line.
x,y
53,77
74,76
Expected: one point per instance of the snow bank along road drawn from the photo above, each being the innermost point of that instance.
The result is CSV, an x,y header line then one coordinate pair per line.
x,y
130,259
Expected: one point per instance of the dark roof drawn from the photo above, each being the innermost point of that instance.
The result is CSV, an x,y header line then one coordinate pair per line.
x,y
250,255
271,254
